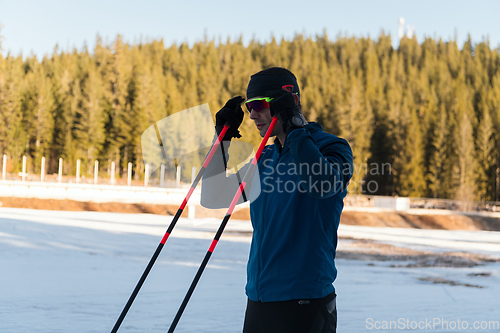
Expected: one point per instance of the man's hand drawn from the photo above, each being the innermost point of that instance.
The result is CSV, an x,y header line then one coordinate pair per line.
x,y
286,110
231,114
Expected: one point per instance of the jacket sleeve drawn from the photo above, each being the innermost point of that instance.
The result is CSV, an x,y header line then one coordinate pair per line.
x,y
218,189
324,170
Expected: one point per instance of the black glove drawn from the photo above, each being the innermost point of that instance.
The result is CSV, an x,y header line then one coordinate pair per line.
x,y
285,107
231,114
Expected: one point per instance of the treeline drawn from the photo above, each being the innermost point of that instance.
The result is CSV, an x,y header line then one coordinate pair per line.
x,y
423,119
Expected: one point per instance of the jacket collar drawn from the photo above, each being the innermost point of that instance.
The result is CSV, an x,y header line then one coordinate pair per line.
x,y
311,127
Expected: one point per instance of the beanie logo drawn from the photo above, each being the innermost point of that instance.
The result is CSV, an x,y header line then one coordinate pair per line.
x,y
289,88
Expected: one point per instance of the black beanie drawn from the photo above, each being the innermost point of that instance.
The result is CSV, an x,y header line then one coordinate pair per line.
x,y
273,78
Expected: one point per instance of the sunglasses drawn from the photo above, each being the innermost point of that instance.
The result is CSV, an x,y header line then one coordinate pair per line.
x,y
258,103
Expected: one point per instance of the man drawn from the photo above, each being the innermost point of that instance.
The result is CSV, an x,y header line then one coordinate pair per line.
x,y
303,178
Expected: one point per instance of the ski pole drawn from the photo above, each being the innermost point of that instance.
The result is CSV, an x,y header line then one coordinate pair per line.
x,y
248,174
169,230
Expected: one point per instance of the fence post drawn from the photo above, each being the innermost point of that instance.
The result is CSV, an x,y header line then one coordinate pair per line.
x,y
146,174
96,172
178,177
113,173
192,208
4,167
193,174
42,172
24,168
59,178
129,174
162,175
78,170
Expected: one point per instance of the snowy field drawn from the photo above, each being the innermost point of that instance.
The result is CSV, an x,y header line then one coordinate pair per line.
x,y
74,271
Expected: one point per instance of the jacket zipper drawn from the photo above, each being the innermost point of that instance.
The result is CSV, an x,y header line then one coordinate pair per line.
x,y
264,228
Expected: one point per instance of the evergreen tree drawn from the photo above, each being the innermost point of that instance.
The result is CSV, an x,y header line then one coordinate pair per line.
x,y
13,134
464,171
413,182
439,166
44,118
486,157
356,126
89,127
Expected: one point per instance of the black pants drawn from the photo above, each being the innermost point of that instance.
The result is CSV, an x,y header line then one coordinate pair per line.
x,y
295,316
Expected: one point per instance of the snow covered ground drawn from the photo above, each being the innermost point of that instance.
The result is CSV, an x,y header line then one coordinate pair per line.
x,y
74,271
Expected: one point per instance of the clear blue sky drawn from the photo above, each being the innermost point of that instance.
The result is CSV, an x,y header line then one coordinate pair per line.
x,y
37,26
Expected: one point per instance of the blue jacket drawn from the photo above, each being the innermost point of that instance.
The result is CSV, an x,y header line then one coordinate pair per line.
x,y
296,216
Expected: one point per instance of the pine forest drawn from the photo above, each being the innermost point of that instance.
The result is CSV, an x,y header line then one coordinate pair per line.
x,y
423,120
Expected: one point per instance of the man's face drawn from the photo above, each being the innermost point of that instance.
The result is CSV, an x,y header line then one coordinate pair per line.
x,y
263,119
